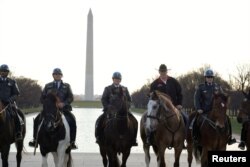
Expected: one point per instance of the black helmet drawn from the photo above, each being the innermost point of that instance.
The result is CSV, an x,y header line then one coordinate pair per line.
x,y
117,75
4,68
57,71
208,73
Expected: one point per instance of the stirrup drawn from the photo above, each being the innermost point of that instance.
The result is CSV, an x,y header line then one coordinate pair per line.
x,y
231,141
73,146
32,143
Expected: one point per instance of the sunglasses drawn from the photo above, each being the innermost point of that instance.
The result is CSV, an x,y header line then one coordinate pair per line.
x,y
209,77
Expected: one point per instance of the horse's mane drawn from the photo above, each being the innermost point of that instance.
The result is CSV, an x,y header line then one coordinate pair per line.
x,y
167,101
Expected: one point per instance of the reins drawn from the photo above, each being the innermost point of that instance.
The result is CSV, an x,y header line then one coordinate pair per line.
x,y
4,109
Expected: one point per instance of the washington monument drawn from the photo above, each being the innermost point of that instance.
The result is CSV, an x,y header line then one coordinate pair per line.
x,y
89,73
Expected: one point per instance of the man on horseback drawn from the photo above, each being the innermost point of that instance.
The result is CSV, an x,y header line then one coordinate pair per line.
x,y
171,87
243,136
106,97
65,94
203,102
8,94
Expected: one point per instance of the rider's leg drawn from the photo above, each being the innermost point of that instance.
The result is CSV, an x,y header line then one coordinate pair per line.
x,y
230,139
134,142
242,137
18,126
185,119
33,142
98,127
72,124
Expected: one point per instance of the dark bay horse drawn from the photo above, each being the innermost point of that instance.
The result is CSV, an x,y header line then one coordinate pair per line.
x,y
7,134
118,131
243,117
213,130
54,133
166,127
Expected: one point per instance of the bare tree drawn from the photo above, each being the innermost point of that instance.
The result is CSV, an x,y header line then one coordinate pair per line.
x,y
241,80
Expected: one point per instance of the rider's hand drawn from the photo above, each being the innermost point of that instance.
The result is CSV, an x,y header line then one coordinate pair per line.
x,y
200,111
60,105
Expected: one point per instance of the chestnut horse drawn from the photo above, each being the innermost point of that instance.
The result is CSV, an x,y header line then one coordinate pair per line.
x,y
165,126
7,133
213,130
243,117
118,132
53,133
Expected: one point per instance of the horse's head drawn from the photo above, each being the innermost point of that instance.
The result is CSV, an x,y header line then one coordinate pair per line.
x,y
118,102
244,111
160,104
219,109
50,112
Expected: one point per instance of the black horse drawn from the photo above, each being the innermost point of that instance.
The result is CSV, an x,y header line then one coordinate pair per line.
x,y
54,134
7,133
118,132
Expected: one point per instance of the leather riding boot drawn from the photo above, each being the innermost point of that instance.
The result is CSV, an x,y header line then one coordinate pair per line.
x,y
134,142
230,140
72,125
242,138
33,142
18,129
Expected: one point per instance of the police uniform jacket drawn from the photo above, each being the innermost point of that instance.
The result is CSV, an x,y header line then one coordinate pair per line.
x,y
108,93
171,88
64,92
204,95
8,90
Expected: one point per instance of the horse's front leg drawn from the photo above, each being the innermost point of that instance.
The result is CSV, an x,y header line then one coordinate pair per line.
x,y
161,157
5,154
125,156
204,159
55,156
61,155
147,155
177,153
44,161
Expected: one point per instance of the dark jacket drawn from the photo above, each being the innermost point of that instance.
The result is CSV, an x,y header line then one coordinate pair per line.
x,y
171,88
204,95
108,93
64,92
8,90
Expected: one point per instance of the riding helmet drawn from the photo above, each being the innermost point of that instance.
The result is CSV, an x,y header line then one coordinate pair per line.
x,y
4,68
209,73
117,75
57,71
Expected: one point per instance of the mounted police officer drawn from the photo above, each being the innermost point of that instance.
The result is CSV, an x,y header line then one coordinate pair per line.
x,y
106,97
8,94
203,100
65,94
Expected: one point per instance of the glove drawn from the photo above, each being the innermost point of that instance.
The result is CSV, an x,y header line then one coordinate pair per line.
x,y
179,107
200,111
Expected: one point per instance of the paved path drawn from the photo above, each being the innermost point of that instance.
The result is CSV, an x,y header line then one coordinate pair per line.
x,y
94,160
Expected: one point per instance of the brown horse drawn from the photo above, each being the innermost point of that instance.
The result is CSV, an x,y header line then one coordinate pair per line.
x,y
165,126
243,117
213,130
118,132
7,133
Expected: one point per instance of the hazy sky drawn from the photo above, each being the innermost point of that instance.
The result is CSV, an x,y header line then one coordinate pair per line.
x,y
130,36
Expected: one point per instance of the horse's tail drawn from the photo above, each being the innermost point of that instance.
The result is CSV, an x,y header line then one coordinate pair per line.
x,y
197,152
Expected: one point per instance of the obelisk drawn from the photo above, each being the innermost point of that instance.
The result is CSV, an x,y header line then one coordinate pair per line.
x,y
89,73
